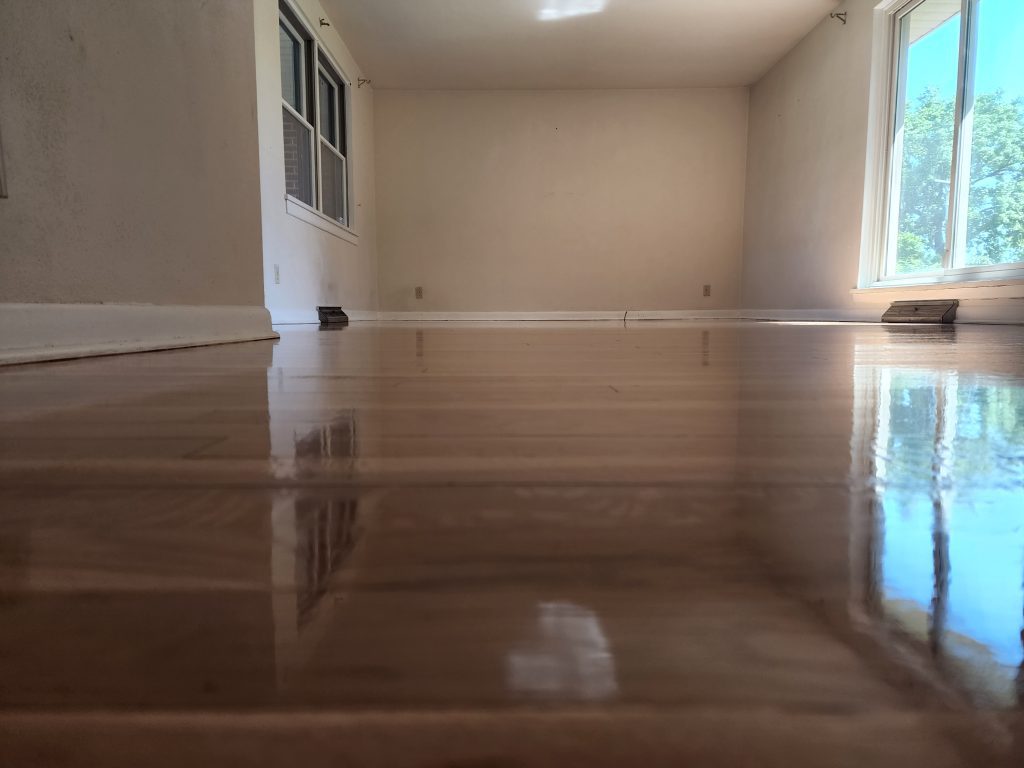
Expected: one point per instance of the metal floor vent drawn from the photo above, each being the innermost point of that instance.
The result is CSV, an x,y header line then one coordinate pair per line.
x,y
332,316
938,312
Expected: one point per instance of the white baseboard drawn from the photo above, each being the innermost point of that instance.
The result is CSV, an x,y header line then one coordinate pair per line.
x,y
991,311
310,317
859,315
36,332
821,315
612,314
684,314
500,316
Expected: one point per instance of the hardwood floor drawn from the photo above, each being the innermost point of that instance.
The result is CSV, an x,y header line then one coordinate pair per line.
x,y
497,545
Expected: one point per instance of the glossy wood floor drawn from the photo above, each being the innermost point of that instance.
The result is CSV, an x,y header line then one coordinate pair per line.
x,y
491,546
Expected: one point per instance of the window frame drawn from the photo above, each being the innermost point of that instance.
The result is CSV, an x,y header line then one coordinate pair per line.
x,y
882,188
338,147
303,43
316,58
334,82
303,98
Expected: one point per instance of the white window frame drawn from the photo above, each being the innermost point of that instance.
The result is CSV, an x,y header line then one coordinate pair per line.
x,y
320,52
301,37
881,201
342,130
304,102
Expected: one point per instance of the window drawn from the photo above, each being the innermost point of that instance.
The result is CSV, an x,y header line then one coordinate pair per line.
x,y
315,121
333,173
956,144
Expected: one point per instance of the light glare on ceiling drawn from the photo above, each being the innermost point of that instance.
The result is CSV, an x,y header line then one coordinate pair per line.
x,y
564,9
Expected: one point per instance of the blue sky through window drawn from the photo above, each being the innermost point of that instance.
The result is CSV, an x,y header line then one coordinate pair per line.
x,y
1000,54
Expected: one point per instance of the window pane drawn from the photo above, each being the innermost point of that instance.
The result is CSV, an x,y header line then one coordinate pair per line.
x,y
298,154
333,169
328,110
995,211
291,68
923,149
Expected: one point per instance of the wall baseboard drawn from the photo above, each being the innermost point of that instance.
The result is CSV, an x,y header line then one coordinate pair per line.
x,y
684,314
501,316
37,332
991,311
1002,311
859,315
619,315
820,315
310,317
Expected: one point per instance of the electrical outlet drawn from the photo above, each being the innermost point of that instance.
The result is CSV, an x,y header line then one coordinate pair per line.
x,y
419,292
277,274
707,290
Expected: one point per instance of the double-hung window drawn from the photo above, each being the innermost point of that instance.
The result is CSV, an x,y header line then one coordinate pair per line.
x,y
315,98
955,202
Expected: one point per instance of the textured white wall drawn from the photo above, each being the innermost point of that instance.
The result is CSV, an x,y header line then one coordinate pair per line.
x,y
315,267
805,172
131,150
560,200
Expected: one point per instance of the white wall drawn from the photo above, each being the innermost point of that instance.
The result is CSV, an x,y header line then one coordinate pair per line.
x,y
806,169
560,200
131,153
131,156
315,266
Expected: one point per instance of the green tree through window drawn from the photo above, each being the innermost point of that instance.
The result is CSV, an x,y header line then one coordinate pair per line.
x,y
995,216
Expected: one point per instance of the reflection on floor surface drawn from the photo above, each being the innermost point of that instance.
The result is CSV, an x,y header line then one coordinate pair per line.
x,y
519,545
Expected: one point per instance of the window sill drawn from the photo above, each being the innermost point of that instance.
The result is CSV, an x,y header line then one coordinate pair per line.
x,y
881,292
312,216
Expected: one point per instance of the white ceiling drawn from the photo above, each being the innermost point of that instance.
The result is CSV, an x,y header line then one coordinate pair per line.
x,y
570,43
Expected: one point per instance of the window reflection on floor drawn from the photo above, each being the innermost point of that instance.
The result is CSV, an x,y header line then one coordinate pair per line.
x,y
948,538
569,655
325,532
314,536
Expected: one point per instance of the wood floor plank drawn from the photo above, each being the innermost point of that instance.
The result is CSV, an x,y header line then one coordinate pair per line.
x,y
518,545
